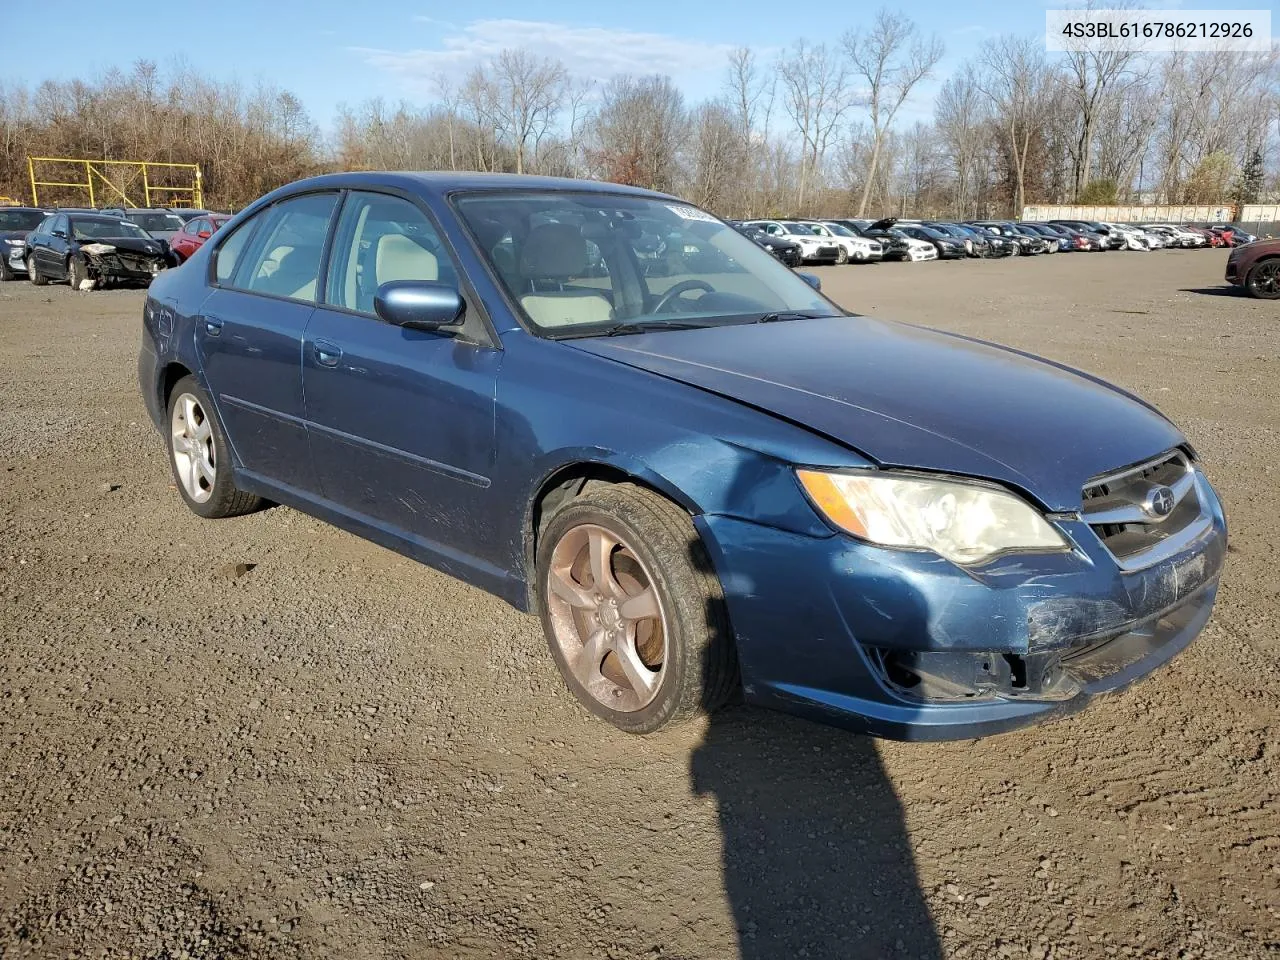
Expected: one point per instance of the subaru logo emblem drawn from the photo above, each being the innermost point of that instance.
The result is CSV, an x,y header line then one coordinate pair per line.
x,y
1160,503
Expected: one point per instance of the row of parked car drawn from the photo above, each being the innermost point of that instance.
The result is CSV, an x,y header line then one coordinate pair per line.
x,y
807,241
98,247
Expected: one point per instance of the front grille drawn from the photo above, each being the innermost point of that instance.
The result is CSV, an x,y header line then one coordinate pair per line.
x,y
1143,513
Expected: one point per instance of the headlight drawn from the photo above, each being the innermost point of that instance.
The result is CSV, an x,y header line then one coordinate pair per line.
x,y
963,522
16,243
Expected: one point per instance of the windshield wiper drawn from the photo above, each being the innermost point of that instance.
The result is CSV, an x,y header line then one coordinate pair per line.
x,y
644,326
789,315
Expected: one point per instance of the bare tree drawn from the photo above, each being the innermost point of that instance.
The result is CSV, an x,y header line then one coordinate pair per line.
x,y
815,85
1015,77
639,130
890,59
1091,71
962,116
524,93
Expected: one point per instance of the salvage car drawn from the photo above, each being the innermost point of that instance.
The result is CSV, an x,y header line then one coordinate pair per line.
x,y
947,247
702,484
813,248
1256,267
91,250
854,247
16,223
194,233
786,251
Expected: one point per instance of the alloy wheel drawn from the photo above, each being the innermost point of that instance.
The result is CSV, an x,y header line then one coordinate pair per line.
x,y
1264,279
607,618
194,455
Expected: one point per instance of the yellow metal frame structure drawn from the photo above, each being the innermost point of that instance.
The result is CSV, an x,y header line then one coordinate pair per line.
x,y
111,190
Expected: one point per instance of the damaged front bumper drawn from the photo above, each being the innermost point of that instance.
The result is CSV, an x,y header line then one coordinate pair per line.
x,y
910,646
107,262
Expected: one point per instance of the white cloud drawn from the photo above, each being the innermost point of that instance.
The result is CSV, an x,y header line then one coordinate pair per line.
x,y
593,52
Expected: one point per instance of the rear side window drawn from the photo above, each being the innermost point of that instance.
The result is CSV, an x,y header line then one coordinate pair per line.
x,y
284,257
228,254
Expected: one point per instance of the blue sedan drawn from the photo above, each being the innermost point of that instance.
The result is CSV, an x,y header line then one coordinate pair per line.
x,y
612,410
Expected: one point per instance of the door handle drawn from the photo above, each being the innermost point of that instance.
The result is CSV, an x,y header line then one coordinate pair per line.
x,y
213,326
327,354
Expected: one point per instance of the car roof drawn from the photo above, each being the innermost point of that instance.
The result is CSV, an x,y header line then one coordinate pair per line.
x,y
13,209
87,215
445,182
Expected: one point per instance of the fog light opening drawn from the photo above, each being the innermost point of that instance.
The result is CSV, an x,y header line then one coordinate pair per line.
x,y
1017,671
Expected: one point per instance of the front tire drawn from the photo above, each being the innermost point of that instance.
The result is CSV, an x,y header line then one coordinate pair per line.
x,y
34,275
1263,279
77,272
200,456
633,612
842,255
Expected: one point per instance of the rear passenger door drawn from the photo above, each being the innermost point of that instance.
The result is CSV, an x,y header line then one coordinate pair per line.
x,y
401,420
249,334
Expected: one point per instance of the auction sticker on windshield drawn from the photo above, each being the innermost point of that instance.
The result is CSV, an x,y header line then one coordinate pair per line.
x,y
690,213
1157,31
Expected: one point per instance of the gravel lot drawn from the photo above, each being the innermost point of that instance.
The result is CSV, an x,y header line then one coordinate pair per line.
x,y
264,737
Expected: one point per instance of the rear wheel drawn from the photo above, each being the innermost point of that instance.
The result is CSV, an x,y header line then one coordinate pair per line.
x,y
632,610
34,275
1263,279
200,456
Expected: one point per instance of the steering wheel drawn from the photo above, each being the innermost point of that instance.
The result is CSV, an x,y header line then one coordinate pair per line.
x,y
684,286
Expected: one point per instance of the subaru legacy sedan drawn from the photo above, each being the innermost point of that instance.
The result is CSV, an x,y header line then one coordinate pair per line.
x,y
706,479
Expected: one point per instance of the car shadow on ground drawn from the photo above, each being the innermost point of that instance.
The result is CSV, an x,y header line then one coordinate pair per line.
x,y
1223,291
815,852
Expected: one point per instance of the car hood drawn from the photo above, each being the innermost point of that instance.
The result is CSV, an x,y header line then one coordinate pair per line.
x,y
911,397
132,244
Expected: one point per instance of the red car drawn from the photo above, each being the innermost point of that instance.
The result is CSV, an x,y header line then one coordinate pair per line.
x,y
194,233
1256,267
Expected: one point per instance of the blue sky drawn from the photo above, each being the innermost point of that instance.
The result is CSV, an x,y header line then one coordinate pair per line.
x,y
331,51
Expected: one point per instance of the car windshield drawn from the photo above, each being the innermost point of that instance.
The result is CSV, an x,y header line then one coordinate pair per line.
x,y
103,229
799,229
584,264
839,231
20,219
157,221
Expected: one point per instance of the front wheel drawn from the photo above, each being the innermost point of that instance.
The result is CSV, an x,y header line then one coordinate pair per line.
x,y
632,610
842,255
77,273
1263,279
201,457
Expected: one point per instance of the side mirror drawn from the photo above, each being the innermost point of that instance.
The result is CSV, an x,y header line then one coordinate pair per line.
x,y
60,233
812,279
419,304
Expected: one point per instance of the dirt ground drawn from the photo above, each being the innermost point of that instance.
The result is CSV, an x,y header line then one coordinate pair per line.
x,y
330,751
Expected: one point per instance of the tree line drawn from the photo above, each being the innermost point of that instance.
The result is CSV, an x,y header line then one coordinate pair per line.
x,y
818,128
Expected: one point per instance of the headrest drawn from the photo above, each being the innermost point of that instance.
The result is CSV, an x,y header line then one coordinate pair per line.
x,y
553,251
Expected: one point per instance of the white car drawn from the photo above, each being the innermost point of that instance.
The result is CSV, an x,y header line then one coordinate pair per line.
x,y
1177,236
813,247
856,249
1133,238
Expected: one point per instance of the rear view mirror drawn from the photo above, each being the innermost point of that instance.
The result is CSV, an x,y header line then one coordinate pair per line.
x,y
419,304
811,279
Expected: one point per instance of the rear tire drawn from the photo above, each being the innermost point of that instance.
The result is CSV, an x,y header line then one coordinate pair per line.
x,y
678,641
200,456
34,275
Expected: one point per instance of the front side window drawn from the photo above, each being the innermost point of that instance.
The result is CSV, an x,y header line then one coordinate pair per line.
x,y
584,263
379,239
284,258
